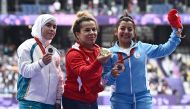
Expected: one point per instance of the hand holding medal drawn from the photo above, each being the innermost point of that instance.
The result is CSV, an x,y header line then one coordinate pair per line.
x,y
105,54
119,66
104,51
50,49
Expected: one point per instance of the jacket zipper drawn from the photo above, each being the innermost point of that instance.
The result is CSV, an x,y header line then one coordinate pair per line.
x,y
130,75
48,85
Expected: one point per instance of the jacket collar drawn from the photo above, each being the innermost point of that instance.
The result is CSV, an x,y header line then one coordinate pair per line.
x,y
117,48
78,46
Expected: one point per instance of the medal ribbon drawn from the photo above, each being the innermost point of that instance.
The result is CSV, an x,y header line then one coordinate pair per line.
x,y
40,45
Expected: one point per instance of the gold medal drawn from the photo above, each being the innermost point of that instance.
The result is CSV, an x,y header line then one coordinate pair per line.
x,y
104,51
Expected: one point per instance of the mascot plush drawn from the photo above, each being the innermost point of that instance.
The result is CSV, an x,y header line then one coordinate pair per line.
x,y
174,19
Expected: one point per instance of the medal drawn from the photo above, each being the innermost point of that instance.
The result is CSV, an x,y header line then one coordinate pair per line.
x,y
120,66
50,49
104,51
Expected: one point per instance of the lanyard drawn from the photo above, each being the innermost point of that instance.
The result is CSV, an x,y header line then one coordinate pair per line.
x,y
40,45
120,57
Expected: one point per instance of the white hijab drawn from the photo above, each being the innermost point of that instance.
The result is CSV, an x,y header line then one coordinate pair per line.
x,y
37,27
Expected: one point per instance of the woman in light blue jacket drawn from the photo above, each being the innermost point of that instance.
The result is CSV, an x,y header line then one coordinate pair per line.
x,y
126,69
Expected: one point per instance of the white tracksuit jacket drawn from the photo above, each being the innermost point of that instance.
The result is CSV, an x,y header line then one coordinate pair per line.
x,y
37,81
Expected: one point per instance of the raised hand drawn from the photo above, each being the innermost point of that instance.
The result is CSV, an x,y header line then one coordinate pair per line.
x,y
104,58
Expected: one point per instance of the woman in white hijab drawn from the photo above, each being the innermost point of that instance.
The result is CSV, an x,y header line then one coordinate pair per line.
x,y
40,82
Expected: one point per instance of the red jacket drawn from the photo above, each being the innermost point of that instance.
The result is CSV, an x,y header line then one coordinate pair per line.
x,y
84,71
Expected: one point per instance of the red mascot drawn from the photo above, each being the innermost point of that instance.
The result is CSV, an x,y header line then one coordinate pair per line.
x,y
174,19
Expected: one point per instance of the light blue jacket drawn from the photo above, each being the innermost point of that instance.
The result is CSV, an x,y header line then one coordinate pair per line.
x,y
134,78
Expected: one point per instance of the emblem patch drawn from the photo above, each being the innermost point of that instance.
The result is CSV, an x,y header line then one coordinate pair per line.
x,y
137,55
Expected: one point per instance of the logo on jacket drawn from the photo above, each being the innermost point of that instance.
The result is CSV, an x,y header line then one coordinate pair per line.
x,y
137,55
87,59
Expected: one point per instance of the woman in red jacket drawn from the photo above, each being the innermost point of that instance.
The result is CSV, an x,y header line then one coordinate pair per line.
x,y
83,65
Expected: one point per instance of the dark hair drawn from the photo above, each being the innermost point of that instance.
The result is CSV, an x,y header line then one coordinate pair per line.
x,y
82,16
125,17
